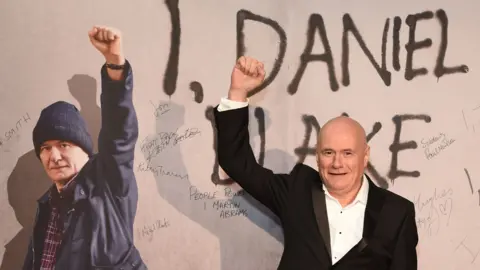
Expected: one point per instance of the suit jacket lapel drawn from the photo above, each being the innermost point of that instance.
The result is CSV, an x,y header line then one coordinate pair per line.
x,y
373,208
320,209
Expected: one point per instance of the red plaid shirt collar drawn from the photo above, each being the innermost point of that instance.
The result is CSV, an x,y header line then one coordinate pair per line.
x,y
59,201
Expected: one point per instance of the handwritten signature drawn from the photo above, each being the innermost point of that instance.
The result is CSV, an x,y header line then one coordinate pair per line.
x,y
148,230
15,130
434,145
434,211
152,147
195,194
471,117
230,193
160,109
159,170
229,208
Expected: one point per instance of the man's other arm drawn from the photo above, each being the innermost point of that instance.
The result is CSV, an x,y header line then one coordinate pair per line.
x,y
235,155
119,130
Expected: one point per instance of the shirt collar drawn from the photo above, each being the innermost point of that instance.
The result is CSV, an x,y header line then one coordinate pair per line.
x,y
362,195
58,197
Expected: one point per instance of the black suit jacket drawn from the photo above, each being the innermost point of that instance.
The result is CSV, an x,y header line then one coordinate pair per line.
x,y
390,233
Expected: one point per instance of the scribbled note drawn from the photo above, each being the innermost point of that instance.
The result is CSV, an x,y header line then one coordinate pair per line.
x,y
229,208
159,170
196,195
471,118
433,210
152,146
224,203
160,108
469,248
148,230
14,130
435,145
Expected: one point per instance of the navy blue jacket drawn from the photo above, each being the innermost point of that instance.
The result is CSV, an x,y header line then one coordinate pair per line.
x,y
98,227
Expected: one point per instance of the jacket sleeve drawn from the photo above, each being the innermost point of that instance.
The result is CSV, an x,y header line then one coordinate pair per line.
x,y
236,158
405,253
118,133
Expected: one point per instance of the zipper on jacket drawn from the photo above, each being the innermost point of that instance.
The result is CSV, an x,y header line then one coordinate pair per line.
x,y
33,237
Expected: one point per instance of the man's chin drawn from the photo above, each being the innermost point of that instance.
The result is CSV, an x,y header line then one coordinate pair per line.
x,y
61,178
338,180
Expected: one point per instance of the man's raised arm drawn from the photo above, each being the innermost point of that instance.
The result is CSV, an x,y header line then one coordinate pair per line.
x,y
119,130
235,154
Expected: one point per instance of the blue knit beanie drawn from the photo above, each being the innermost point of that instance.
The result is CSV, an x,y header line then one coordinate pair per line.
x,y
62,121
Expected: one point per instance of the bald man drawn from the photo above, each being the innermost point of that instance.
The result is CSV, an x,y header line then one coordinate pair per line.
x,y
333,218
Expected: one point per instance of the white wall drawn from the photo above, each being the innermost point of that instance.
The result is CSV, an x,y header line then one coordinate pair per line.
x,y
46,56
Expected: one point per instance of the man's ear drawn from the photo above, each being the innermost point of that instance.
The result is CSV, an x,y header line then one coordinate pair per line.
x,y
367,156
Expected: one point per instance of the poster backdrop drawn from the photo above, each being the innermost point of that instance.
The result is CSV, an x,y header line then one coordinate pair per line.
x,y
406,70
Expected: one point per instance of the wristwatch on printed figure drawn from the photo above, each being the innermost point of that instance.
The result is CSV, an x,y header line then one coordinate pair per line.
x,y
114,66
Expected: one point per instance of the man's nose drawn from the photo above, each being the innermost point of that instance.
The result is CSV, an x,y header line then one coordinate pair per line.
x,y
55,155
337,161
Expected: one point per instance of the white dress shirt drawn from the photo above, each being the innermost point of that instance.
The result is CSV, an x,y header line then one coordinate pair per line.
x,y
345,223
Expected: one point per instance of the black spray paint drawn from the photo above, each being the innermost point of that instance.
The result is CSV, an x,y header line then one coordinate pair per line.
x,y
171,72
260,117
440,69
311,123
349,26
471,185
242,16
396,146
381,181
303,150
469,179
413,45
316,22
397,25
197,90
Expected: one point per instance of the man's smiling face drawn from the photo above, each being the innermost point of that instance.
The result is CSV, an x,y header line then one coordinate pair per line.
x,y
342,154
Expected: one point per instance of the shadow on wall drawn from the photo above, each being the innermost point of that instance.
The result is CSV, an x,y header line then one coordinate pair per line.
x,y
25,185
164,159
84,89
28,180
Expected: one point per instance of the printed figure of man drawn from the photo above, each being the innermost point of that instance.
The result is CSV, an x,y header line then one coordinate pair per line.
x,y
334,218
85,220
